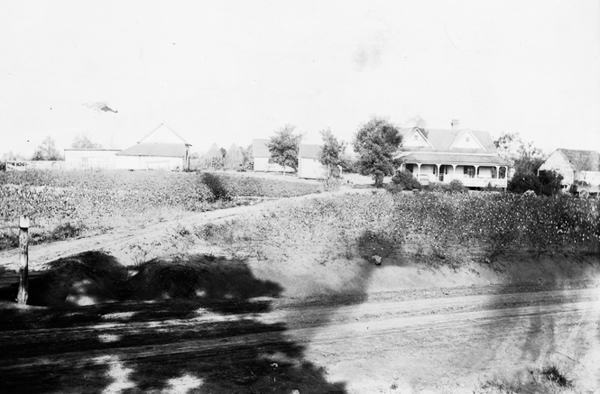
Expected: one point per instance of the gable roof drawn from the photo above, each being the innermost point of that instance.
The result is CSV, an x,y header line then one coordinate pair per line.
x,y
582,160
442,140
309,151
163,128
158,150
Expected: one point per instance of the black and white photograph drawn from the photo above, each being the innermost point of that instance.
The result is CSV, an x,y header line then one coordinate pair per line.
x,y
300,197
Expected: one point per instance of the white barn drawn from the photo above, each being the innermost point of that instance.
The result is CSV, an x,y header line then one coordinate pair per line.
x,y
162,148
261,155
309,165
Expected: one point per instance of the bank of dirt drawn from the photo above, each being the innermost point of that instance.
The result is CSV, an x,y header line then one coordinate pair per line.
x,y
199,321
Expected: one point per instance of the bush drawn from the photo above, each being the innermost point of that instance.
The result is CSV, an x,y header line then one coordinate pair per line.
x,y
456,186
406,181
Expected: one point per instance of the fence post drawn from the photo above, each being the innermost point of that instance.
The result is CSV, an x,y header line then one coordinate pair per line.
x,y
23,260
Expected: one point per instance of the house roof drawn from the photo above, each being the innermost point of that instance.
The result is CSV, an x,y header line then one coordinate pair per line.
x,y
163,128
453,158
158,150
582,160
442,140
309,151
260,149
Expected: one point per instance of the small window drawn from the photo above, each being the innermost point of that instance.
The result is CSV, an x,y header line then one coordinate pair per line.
x,y
468,139
416,137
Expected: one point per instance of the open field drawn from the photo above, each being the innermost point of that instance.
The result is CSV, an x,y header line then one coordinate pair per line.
x,y
70,204
369,292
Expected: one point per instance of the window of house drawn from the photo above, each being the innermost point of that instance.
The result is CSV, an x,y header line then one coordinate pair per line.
x,y
416,137
467,139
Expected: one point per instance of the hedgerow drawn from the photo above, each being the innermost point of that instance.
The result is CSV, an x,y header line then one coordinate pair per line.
x,y
438,225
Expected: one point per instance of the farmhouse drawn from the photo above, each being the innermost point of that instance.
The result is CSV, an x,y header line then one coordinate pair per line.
x,y
438,155
261,155
578,167
162,148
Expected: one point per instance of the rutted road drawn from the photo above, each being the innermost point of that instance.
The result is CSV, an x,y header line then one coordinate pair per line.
x,y
368,346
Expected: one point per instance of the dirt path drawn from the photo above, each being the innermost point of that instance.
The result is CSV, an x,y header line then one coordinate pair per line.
x,y
449,344
118,242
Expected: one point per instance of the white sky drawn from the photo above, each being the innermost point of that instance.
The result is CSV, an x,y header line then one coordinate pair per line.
x,y
230,71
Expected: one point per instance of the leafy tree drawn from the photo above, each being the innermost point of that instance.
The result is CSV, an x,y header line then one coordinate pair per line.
x,y
547,183
523,157
83,142
248,162
47,151
331,157
284,147
376,142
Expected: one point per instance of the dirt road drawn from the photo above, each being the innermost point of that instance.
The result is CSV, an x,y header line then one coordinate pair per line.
x,y
118,243
388,343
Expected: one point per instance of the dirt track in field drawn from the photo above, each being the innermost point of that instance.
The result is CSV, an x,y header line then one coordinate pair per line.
x,y
383,344
118,242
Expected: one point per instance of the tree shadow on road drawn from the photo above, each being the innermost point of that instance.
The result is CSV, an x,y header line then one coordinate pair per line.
x,y
194,324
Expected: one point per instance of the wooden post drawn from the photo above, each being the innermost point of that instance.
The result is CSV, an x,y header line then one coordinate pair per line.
x,y
23,260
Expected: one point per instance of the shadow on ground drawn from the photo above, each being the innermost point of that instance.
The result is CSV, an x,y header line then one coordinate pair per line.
x,y
177,325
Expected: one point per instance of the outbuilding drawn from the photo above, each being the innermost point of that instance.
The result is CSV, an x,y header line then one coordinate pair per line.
x,y
162,148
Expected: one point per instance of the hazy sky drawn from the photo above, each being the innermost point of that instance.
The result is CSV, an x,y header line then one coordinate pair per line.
x,y
230,71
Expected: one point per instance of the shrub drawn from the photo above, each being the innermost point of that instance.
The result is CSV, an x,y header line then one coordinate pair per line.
x,y
406,181
456,186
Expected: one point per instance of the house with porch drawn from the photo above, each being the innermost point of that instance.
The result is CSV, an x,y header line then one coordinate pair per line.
x,y
438,155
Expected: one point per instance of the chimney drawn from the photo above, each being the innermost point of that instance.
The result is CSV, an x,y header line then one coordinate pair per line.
x,y
455,124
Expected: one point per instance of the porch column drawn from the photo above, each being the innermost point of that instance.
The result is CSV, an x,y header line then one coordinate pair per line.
x,y
437,166
453,171
497,172
418,169
476,172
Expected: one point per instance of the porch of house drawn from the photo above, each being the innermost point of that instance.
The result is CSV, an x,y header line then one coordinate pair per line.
x,y
473,176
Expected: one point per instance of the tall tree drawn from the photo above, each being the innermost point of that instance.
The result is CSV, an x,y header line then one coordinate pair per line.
x,y
83,142
248,162
47,151
376,143
331,156
284,147
523,157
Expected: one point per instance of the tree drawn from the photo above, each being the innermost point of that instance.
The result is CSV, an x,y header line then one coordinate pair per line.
x,y
234,158
248,161
284,147
47,151
523,157
375,143
83,142
331,157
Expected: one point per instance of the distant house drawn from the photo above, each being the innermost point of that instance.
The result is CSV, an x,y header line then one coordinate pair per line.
x,y
261,155
309,165
90,158
438,155
578,167
162,148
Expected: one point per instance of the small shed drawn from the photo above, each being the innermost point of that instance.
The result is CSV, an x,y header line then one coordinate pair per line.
x,y
90,158
162,148
309,164
261,155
